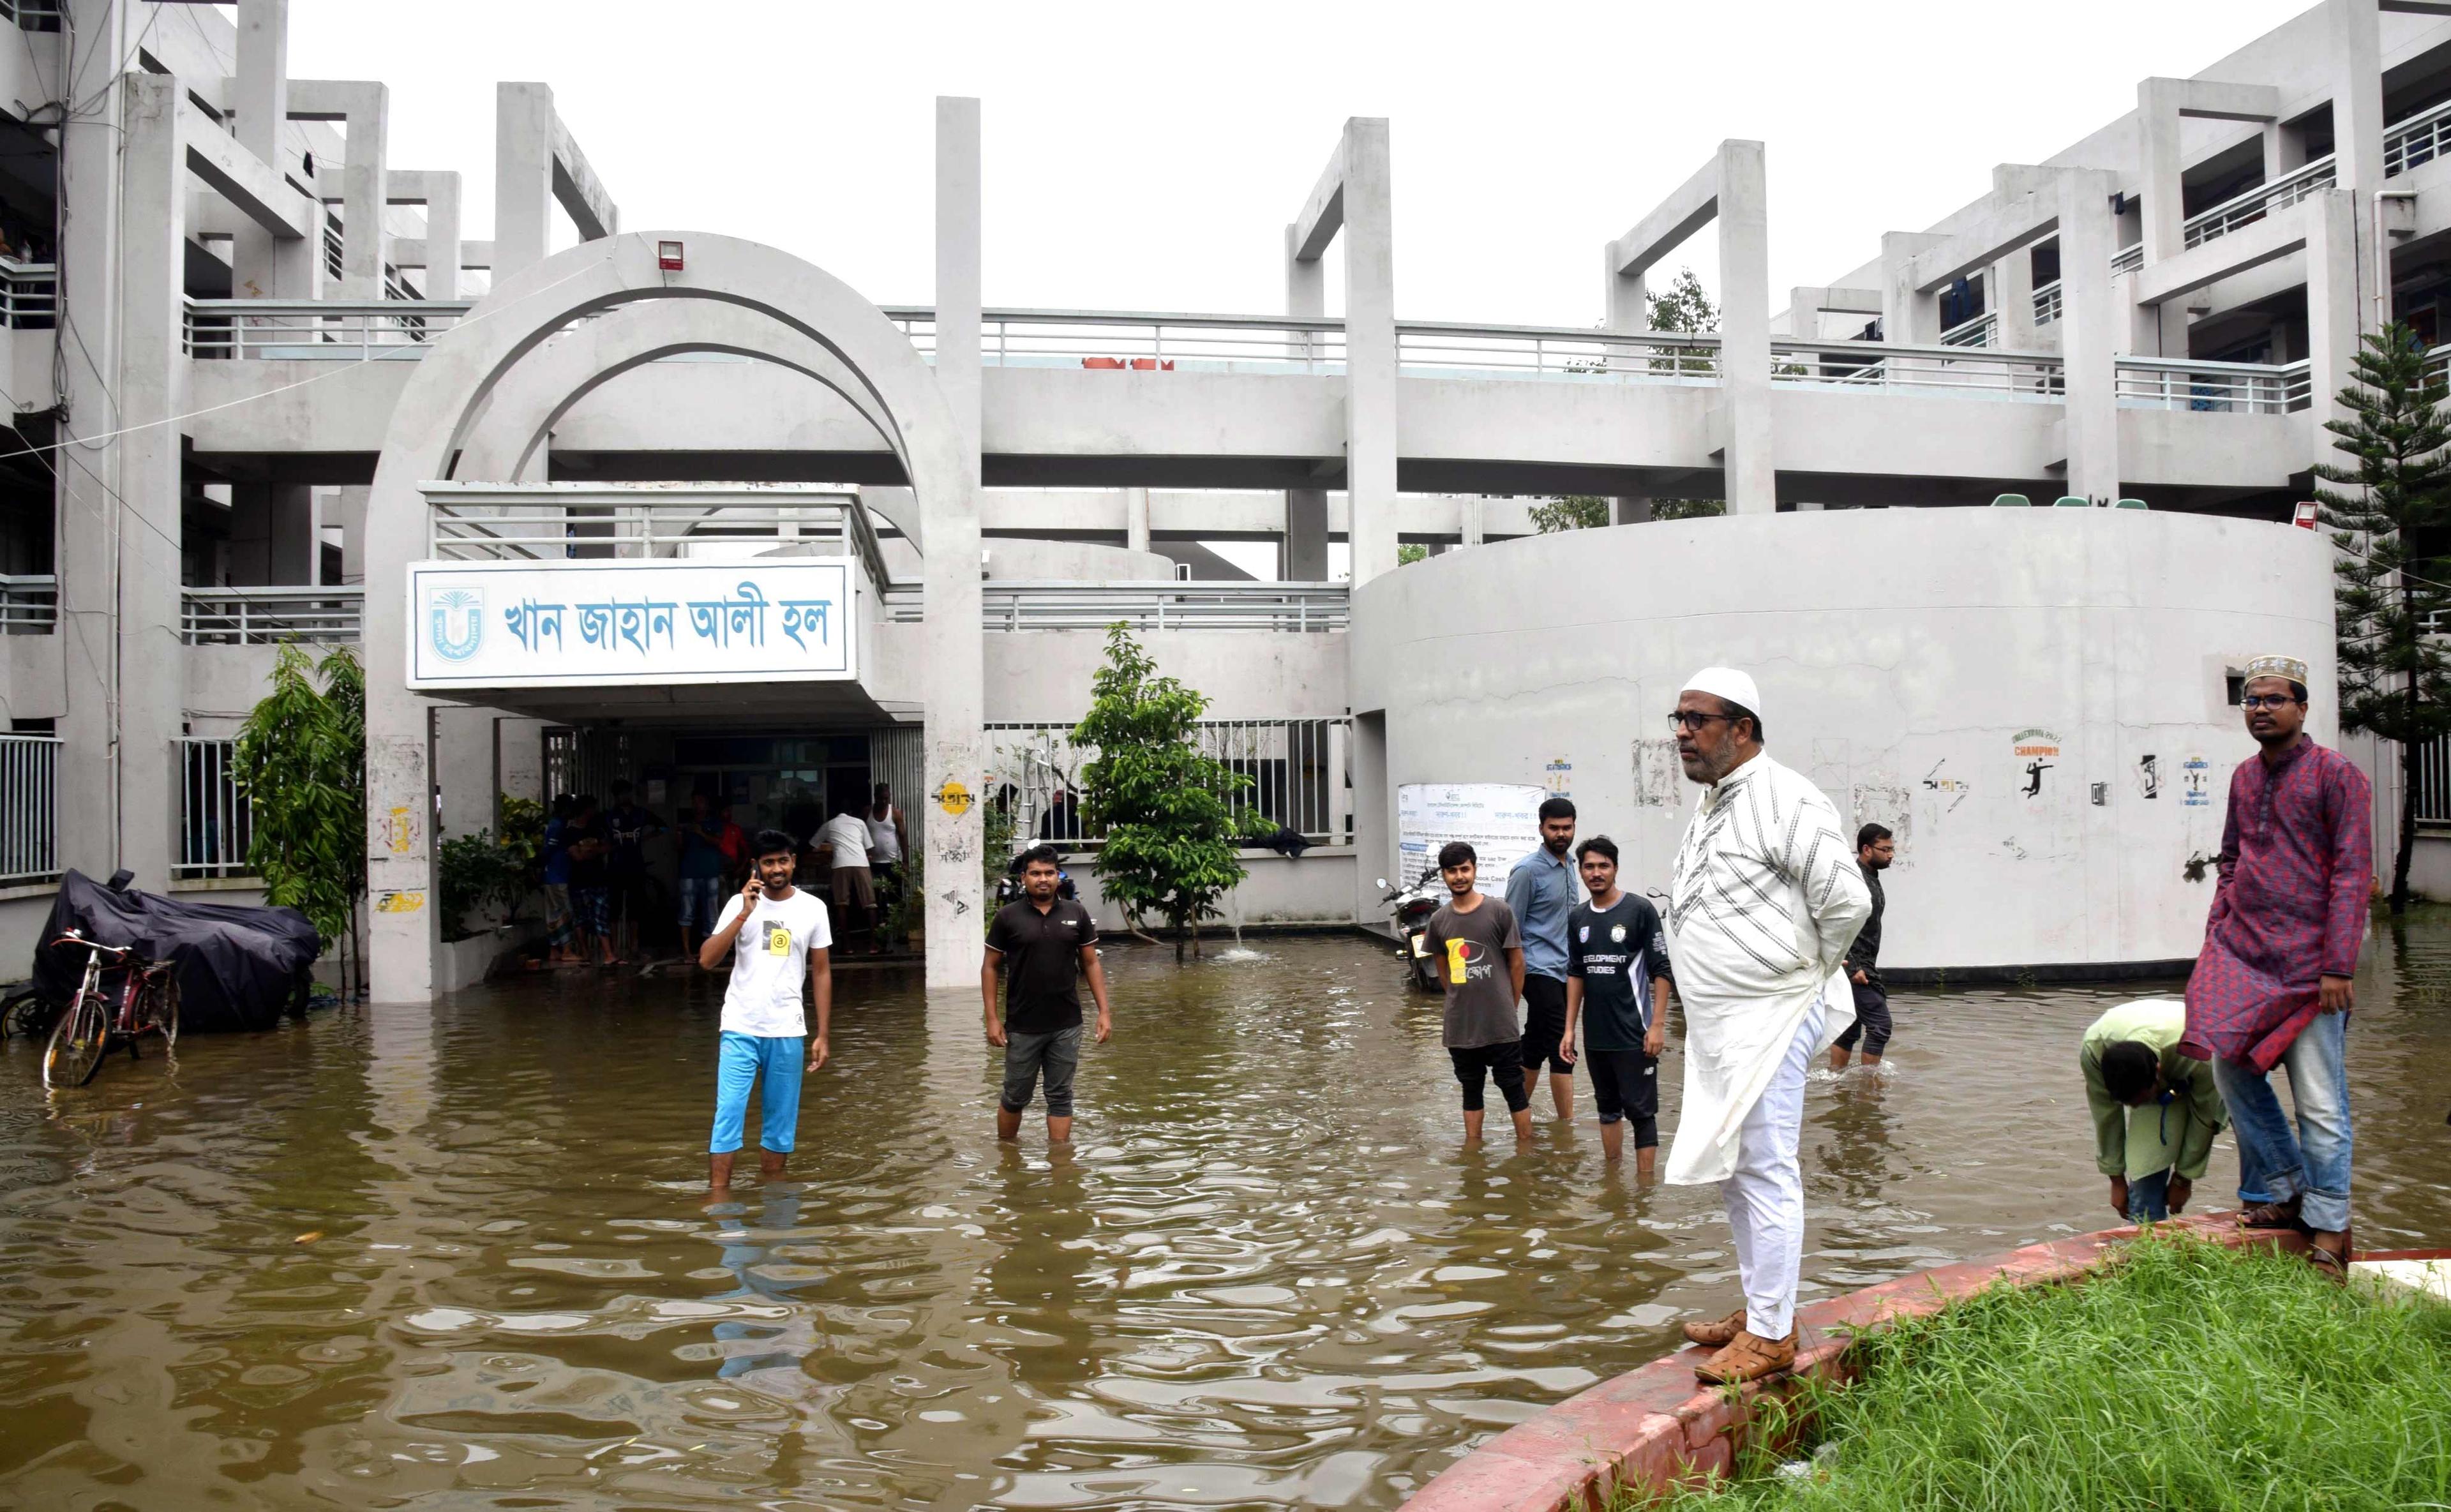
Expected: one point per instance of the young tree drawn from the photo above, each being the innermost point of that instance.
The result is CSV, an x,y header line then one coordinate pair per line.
x,y
2395,680
302,759
1686,307
1570,512
1162,804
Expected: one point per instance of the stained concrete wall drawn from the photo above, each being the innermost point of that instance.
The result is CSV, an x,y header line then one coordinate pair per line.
x,y
1900,655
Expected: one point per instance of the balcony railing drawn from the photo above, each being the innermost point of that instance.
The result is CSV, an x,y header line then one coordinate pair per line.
x,y
263,617
216,821
318,331
2128,260
1012,605
2046,303
1295,769
565,522
28,295
33,15
1124,340
2228,389
1983,330
30,604
1541,351
2245,210
29,808
2417,141
1976,372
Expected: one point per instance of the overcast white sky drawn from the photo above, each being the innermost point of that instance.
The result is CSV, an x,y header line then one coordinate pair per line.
x,y
1147,157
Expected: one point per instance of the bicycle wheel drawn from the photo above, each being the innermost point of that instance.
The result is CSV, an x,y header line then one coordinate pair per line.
x,y
78,1043
165,1010
27,1014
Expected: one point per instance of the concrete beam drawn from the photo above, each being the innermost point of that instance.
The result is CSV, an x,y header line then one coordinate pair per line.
x,y
1323,214
1807,304
1680,215
538,164
242,178
415,251
2002,227
364,106
2276,236
582,195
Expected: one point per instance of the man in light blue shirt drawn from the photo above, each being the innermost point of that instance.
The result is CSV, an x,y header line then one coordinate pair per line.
x,y
1541,892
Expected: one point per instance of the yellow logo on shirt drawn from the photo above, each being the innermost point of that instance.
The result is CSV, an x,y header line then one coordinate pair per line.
x,y
1459,953
779,939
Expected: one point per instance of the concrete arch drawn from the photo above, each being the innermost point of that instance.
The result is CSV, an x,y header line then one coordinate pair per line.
x,y
439,410
532,399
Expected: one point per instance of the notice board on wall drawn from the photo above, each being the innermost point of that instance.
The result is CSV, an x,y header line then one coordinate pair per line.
x,y
1501,820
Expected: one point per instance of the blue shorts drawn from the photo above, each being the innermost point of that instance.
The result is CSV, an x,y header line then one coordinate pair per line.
x,y
701,902
739,1059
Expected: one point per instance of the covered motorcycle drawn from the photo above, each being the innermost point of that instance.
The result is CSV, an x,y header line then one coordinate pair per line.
x,y
238,967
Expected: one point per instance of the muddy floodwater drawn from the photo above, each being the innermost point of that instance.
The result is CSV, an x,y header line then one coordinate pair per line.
x,y
388,1259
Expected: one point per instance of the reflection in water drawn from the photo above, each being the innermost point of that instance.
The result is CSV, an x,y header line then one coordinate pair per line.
x,y
468,1256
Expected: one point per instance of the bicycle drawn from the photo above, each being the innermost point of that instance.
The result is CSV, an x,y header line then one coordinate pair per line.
x,y
121,997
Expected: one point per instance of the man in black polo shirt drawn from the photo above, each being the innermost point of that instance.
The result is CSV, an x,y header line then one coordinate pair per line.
x,y
1617,990
1047,945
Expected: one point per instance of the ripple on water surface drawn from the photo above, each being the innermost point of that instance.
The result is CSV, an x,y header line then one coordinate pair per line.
x,y
385,1258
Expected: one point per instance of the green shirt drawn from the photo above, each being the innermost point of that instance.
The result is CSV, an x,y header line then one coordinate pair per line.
x,y
2176,1136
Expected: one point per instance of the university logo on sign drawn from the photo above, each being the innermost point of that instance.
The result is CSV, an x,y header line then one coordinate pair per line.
x,y
456,622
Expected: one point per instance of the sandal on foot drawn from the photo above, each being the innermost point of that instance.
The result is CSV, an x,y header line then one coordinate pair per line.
x,y
1719,1333
2269,1215
1748,1357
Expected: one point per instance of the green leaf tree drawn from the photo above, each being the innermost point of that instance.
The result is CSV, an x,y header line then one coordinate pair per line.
x,y
1164,806
2395,680
302,761
1570,512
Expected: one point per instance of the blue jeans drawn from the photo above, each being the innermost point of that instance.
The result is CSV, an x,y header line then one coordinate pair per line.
x,y
701,902
2148,1197
2311,1163
739,1059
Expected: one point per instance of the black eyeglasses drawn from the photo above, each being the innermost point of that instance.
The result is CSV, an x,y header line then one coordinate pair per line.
x,y
1694,718
2265,700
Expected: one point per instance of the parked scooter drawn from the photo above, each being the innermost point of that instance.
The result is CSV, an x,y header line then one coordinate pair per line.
x,y
1413,907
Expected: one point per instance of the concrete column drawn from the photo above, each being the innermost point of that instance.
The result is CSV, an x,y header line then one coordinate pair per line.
x,y
956,745
2335,314
262,265
2284,149
1136,519
349,512
2013,295
364,194
2088,328
2357,96
1305,553
2157,125
523,120
1630,509
1468,521
1744,330
442,236
1909,316
1369,349
1625,306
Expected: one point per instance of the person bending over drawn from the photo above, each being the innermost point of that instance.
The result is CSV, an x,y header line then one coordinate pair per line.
x,y
2155,1108
780,931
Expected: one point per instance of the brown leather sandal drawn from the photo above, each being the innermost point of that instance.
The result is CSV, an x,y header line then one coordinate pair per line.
x,y
1749,1356
1718,1332
2270,1215
2333,1262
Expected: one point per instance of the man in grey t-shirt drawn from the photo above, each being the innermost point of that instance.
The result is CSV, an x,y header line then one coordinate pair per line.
x,y
1478,956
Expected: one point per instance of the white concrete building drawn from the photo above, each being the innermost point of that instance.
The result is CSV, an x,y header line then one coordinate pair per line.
x,y
563,501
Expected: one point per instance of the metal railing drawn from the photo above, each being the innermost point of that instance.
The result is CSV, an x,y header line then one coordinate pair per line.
x,y
2229,388
34,15
29,808
2046,303
1297,769
30,604
2245,209
2429,787
216,820
1128,340
2128,260
28,295
318,331
1979,372
553,522
1983,330
2417,141
263,617
1296,607
1545,351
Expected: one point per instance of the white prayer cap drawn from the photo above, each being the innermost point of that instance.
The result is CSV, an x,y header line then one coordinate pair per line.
x,y
1727,683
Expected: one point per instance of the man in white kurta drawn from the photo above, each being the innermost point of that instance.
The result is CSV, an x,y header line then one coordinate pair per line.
x,y
1765,899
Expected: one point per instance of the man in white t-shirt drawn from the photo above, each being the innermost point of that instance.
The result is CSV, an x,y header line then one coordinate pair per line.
x,y
844,843
777,926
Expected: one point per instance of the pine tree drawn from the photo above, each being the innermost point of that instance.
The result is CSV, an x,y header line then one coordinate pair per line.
x,y
1164,806
2395,680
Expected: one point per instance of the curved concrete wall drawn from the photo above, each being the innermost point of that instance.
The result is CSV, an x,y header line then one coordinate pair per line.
x,y
1900,655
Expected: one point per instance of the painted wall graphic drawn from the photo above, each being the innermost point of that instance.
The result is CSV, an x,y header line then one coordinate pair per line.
x,y
1891,805
2196,782
1659,776
2036,753
2149,774
1950,790
1561,777
1501,820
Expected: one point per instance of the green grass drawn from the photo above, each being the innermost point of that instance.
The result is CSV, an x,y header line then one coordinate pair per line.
x,y
2188,1377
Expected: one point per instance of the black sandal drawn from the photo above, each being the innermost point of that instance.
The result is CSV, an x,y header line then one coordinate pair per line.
x,y
2270,1215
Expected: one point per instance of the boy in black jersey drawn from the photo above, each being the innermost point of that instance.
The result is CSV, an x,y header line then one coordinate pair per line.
x,y
1617,972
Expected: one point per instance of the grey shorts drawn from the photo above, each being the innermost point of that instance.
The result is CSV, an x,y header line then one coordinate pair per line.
x,y
1027,1056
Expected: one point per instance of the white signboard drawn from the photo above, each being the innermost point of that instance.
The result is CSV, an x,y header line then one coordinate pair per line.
x,y
1502,820
558,624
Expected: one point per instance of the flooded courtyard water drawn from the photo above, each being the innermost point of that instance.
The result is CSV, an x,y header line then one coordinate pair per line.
x,y
382,1259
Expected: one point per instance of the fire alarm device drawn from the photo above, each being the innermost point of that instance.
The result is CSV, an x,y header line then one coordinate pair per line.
x,y
668,256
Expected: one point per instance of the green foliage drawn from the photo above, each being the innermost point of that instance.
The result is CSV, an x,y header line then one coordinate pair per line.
x,y
1570,512
474,871
522,823
2395,680
908,914
302,759
1408,552
1686,307
2191,1376
997,823
1161,803
1687,508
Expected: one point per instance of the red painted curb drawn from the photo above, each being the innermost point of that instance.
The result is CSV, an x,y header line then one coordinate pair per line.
x,y
1653,1427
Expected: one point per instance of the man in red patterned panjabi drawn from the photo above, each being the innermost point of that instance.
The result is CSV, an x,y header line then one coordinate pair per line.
x,y
2272,986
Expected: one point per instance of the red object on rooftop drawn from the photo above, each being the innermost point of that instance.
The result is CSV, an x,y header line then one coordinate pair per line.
x,y
2303,518
668,256
1115,362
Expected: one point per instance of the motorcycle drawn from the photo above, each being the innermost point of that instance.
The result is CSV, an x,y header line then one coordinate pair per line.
x,y
1412,907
